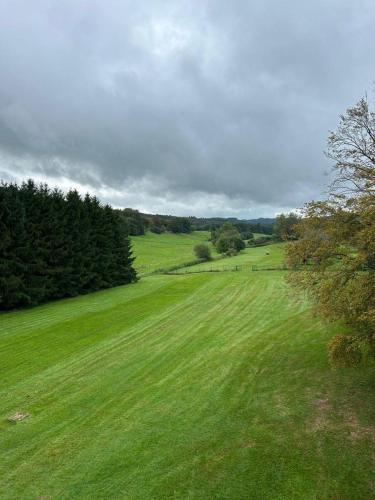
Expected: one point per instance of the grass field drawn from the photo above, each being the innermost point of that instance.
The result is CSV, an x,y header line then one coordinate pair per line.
x,y
200,386
155,251
268,256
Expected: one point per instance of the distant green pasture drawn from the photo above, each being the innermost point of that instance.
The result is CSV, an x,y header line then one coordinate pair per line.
x,y
154,251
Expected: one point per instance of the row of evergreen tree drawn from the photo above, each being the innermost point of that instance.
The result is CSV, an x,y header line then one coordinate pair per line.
x,y
54,245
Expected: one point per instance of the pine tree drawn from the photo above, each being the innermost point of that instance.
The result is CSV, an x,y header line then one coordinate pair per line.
x,y
54,246
13,249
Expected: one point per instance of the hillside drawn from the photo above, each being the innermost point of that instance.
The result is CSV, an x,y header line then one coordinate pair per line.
x,y
155,251
162,251
202,386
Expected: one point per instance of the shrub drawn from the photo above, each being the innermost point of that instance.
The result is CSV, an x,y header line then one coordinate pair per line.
x,y
202,251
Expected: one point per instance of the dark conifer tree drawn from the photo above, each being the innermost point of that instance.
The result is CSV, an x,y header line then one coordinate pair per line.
x,y
122,258
13,248
54,246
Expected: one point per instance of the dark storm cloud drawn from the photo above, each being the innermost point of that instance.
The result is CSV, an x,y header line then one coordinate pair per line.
x,y
172,105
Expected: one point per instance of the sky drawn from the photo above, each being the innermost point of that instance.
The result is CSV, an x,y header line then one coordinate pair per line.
x,y
207,108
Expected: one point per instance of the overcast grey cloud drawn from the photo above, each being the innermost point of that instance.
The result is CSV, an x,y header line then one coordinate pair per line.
x,y
189,107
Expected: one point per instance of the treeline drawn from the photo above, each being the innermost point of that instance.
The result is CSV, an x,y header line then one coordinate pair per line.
x,y
245,227
54,245
138,223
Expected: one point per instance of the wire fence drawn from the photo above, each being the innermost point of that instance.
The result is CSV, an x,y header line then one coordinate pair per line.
x,y
228,268
147,269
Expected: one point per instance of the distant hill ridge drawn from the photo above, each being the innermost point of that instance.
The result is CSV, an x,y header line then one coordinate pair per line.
x,y
214,220
138,223
259,220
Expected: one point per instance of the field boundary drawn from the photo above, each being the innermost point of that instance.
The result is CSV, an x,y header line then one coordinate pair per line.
x,y
172,269
229,268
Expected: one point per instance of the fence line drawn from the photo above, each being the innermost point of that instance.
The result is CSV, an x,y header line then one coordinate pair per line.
x,y
147,269
232,268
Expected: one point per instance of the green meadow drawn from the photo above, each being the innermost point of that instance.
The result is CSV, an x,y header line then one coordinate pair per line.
x,y
155,251
209,385
256,258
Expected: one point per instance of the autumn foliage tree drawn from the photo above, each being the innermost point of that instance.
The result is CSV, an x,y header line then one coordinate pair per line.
x,y
335,250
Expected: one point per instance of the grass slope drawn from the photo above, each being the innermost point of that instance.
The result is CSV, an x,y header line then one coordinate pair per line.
x,y
211,385
154,251
251,257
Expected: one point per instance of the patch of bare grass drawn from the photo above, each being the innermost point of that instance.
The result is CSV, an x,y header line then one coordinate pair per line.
x,y
17,417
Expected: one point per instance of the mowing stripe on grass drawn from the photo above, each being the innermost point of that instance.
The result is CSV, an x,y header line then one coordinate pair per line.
x,y
201,386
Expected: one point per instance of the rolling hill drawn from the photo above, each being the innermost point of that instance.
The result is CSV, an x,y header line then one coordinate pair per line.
x,y
205,385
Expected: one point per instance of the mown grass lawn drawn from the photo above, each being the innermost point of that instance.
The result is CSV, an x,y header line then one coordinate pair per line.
x,y
212,385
